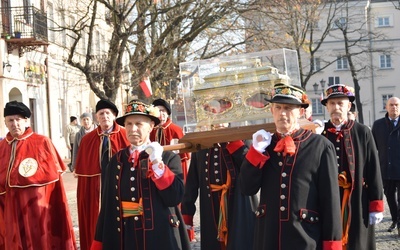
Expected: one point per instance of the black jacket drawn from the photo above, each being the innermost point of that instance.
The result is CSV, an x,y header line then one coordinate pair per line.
x,y
387,139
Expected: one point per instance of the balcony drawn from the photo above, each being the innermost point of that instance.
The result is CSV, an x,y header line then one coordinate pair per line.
x,y
23,28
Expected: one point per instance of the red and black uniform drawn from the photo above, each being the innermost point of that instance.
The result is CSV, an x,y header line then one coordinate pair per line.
x,y
89,165
34,213
138,211
299,202
213,179
357,158
163,134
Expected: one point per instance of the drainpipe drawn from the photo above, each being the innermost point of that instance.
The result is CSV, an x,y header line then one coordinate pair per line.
x,y
49,119
371,59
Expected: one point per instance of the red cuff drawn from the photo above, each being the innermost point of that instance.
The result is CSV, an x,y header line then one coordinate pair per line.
x,y
332,245
96,245
376,206
233,146
256,158
188,219
164,181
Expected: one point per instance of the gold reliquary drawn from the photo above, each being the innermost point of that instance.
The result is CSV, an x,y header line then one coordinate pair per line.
x,y
234,89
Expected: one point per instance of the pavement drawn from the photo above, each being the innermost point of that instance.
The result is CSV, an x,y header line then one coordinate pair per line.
x,y
384,239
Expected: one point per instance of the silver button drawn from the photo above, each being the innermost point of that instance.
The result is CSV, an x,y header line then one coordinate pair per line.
x,y
117,177
119,229
316,219
136,218
217,180
206,170
215,149
283,208
215,163
132,189
132,169
312,219
118,219
337,140
216,171
206,178
132,178
215,156
337,157
118,167
283,185
116,186
117,208
279,153
303,216
257,213
283,197
116,197
337,148
284,174
133,199
206,154
280,163
209,195
206,163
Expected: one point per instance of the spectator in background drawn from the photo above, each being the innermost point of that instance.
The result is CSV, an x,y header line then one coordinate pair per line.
x,y
360,182
34,213
70,131
226,215
87,126
352,114
386,132
167,132
296,173
94,153
143,187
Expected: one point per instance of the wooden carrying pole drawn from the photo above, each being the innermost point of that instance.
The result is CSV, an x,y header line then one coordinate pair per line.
x,y
206,139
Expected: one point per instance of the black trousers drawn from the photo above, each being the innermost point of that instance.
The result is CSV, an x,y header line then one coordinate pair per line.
x,y
391,189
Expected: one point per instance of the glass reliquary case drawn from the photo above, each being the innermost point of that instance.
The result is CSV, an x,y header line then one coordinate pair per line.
x,y
234,89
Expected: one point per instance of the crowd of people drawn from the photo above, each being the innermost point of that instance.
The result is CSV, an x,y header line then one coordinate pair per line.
x,y
291,188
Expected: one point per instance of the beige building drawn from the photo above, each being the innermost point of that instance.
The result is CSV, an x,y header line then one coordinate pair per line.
x,y
379,71
35,70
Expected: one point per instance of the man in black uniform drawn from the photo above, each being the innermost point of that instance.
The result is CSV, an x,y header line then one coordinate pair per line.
x,y
143,186
360,182
296,172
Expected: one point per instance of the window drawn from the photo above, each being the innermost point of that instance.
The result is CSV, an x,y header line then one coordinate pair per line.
x,y
317,108
317,64
384,21
384,100
340,23
385,62
333,80
342,63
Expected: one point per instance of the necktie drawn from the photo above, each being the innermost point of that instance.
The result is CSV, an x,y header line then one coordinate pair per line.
x,y
105,151
159,135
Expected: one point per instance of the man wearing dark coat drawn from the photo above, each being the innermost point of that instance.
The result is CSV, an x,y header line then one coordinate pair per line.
x,y
386,132
295,170
359,174
226,216
94,153
143,186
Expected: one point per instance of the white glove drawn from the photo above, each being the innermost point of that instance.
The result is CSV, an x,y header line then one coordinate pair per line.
x,y
320,126
154,149
261,140
375,217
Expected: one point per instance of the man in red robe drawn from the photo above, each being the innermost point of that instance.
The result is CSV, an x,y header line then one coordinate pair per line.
x,y
167,132
94,153
34,213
